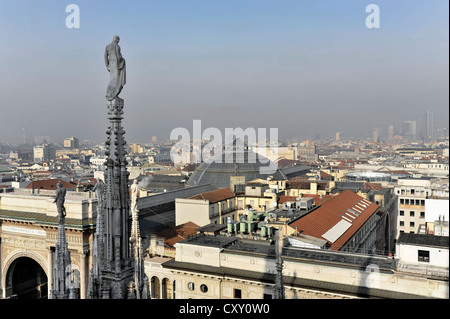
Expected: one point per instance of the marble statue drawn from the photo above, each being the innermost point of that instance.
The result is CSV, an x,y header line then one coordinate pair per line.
x,y
115,64
134,195
98,189
59,200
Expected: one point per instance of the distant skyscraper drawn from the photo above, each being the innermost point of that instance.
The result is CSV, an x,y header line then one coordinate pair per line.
x,y
44,152
391,132
409,129
71,142
375,134
427,125
24,136
338,136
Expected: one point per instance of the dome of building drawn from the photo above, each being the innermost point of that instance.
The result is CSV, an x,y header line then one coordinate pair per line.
x,y
233,161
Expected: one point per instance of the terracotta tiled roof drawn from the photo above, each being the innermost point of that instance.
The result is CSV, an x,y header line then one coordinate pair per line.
x,y
299,178
373,186
324,175
284,199
305,185
50,184
396,172
175,234
329,214
215,195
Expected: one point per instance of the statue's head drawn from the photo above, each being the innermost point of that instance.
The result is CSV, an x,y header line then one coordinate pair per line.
x,y
116,39
60,184
135,181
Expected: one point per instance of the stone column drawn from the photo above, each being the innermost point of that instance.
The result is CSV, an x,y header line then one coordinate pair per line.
x,y
49,270
83,275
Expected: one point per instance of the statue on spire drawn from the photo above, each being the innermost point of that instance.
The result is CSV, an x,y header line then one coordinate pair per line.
x,y
115,64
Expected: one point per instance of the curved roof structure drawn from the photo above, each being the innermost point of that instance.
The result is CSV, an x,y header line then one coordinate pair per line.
x,y
233,161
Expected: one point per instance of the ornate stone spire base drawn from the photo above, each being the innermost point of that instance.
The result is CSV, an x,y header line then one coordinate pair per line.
x,y
115,274
61,266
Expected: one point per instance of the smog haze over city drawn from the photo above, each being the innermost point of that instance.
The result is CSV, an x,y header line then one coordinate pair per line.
x,y
308,68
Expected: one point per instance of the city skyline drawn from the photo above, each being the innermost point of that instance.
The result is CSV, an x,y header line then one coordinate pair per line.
x,y
307,69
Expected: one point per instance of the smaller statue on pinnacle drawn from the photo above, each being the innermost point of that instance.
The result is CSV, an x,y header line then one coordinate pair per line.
x,y
59,200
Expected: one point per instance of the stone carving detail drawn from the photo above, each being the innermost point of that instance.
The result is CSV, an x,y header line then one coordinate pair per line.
x,y
27,243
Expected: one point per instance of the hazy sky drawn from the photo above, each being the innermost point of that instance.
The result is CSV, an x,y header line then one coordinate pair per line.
x,y
306,67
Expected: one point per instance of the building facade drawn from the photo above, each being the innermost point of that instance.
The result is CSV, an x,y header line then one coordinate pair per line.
x,y
44,152
411,194
225,267
28,235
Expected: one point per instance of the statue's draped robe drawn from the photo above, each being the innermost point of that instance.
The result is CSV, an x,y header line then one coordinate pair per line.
x,y
116,64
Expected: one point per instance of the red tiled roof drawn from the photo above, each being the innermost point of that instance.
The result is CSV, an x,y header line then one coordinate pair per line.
x,y
297,178
50,184
215,196
372,186
396,172
321,220
306,185
324,175
175,234
284,199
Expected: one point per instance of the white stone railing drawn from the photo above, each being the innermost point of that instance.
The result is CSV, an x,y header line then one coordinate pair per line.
x,y
423,270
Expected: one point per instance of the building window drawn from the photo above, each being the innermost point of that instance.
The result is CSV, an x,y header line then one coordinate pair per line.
x,y
411,213
411,224
402,201
267,296
407,201
422,202
191,286
402,223
422,214
204,288
424,255
412,191
402,213
237,294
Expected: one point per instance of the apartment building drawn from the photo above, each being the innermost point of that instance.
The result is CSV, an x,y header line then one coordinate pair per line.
x,y
205,208
411,193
